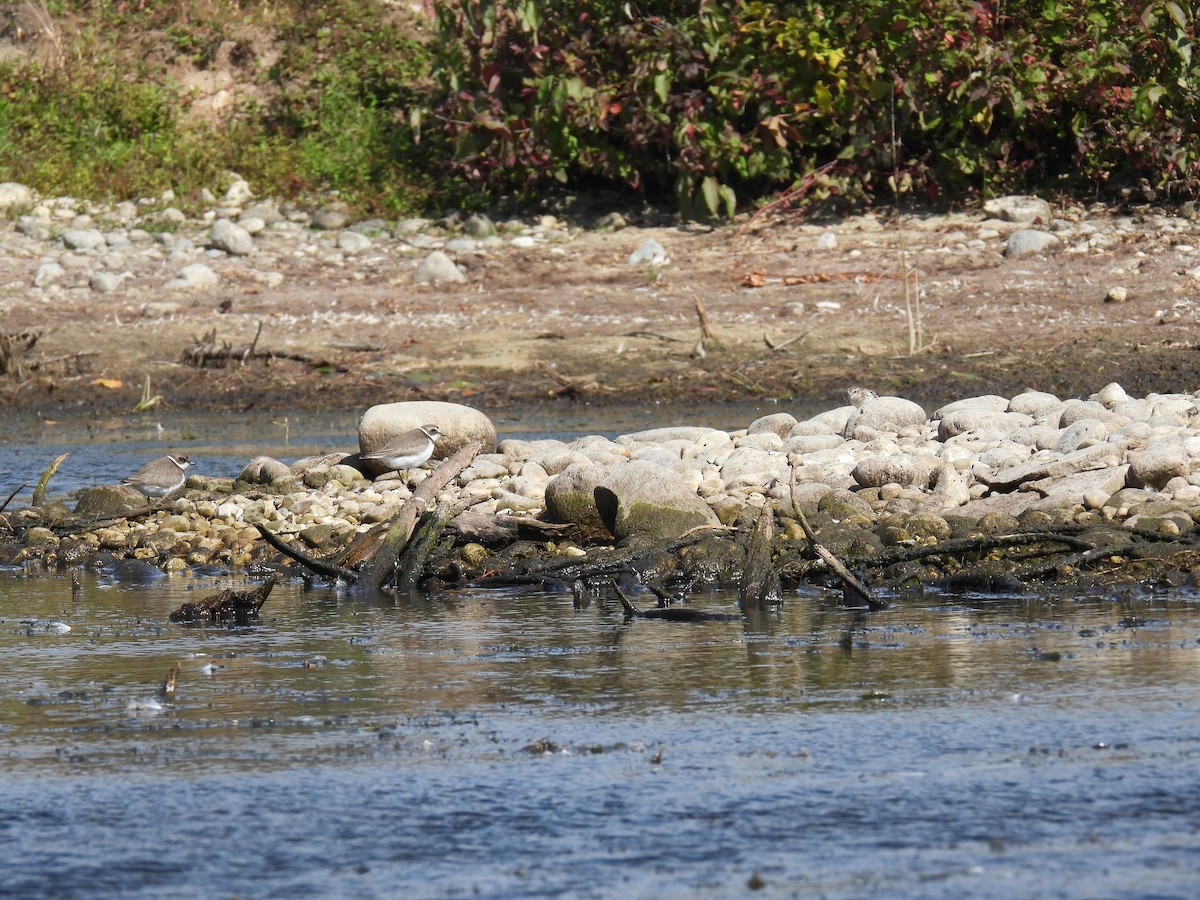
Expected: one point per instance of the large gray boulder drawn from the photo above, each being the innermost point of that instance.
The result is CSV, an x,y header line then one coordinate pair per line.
x,y
637,498
266,470
1023,208
458,424
571,495
1157,464
647,500
1030,241
13,194
233,239
884,415
437,268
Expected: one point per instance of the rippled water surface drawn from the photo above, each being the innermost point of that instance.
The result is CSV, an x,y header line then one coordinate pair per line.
x,y
509,744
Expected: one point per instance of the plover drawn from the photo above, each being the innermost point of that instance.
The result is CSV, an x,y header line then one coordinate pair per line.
x,y
859,396
161,476
408,450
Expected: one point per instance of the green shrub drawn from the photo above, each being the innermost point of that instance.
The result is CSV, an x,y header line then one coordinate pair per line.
x,y
949,97
103,119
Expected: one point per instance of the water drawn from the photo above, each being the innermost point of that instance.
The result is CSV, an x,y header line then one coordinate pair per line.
x,y
103,450
505,743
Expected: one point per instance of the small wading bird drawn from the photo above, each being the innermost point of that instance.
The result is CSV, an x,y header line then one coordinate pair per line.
x,y
161,476
859,396
408,450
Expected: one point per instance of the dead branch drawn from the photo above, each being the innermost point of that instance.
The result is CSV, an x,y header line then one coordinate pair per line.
x,y
39,492
15,491
428,530
706,333
775,348
854,592
322,567
760,580
985,543
381,567
206,354
228,605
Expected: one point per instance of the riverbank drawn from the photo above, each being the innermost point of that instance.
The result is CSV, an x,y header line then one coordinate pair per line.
x,y
255,304
986,492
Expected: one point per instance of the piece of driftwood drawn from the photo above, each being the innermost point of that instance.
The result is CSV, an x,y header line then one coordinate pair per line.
x,y
381,567
39,492
167,689
11,348
15,491
322,567
760,579
239,607
428,531
205,353
502,528
668,613
855,594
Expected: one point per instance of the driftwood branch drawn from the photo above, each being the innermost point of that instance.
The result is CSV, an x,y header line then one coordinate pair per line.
x,y
227,605
322,567
668,613
205,353
381,567
854,592
39,492
983,544
760,580
15,491
429,529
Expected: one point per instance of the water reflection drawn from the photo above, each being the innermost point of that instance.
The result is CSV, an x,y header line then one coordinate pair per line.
x,y
506,742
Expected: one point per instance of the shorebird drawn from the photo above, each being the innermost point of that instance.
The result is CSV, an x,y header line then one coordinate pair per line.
x,y
161,476
859,396
408,450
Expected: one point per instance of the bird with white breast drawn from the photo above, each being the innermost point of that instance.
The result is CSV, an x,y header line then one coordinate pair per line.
x,y
408,450
161,476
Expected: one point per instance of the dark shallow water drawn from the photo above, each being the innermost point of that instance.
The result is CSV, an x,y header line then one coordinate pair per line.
x,y
508,744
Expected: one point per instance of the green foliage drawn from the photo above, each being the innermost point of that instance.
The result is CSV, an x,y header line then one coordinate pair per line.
x,y
103,117
950,97
717,102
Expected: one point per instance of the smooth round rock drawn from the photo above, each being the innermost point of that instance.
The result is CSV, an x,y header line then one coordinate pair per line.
x,y
459,425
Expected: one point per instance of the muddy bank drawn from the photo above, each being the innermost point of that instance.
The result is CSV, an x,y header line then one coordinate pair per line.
x,y
314,310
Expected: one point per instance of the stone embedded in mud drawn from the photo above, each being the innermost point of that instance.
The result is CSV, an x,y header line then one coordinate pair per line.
x,y
437,268
197,275
650,253
1030,241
